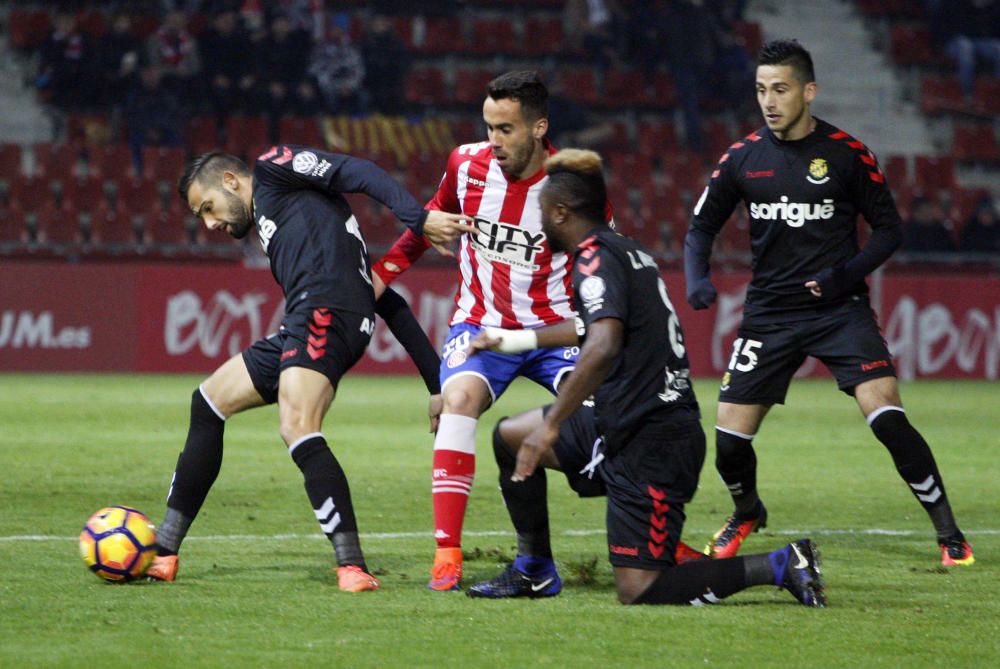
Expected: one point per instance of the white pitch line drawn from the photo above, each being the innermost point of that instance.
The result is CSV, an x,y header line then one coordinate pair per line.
x,y
505,533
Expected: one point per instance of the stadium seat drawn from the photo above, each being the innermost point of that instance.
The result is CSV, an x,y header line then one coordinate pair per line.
x,y
110,161
55,161
897,170
171,225
27,28
986,95
581,85
442,34
84,193
424,86
975,143
163,163
137,195
30,193
940,95
12,229
304,131
203,135
624,88
657,137
92,23
749,35
664,91
247,136
494,36
933,173
58,227
113,228
911,45
544,35
10,162
470,85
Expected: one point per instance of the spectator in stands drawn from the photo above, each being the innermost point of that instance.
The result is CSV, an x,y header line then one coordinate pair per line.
x,y
224,49
925,232
152,113
174,50
67,65
120,52
967,30
592,26
338,69
982,232
284,57
571,125
386,63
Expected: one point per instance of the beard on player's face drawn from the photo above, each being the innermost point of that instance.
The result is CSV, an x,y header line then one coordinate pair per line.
x,y
241,219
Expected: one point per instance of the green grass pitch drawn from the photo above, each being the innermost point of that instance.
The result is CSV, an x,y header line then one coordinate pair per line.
x,y
256,589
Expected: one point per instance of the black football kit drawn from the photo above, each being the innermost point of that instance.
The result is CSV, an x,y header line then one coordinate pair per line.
x,y
803,198
642,444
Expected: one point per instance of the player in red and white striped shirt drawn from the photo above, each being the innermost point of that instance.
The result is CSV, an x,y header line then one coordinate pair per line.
x,y
510,278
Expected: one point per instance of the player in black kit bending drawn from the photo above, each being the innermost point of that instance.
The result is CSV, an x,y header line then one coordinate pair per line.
x,y
317,253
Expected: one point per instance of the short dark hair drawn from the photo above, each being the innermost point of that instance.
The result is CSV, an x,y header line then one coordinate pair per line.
x,y
209,166
526,87
788,52
576,178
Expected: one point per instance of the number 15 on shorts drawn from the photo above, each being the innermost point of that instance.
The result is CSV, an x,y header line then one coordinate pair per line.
x,y
744,356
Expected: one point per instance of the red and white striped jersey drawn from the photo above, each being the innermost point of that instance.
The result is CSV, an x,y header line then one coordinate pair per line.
x,y
510,277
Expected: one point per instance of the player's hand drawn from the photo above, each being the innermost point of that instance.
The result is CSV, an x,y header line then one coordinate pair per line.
x,y
533,447
377,285
829,284
484,341
442,228
434,409
701,294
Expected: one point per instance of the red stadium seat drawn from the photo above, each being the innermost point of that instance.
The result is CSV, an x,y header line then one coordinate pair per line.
x,y
975,143
10,161
137,195
897,171
163,163
911,45
494,36
58,226
544,35
111,161
580,84
92,23
301,130
933,173
424,86
986,95
31,193
940,95
624,88
664,91
12,228
657,137
113,226
203,135
247,136
55,161
442,34
85,193
28,28
169,226
470,85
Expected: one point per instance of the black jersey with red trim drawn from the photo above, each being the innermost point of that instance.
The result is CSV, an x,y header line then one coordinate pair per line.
x,y
614,277
803,198
313,241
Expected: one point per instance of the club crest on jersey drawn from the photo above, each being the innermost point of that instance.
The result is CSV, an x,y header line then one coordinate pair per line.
x,y
592,293
819,171
304,162
509,244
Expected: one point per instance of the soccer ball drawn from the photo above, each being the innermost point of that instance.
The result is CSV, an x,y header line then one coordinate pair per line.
x,y
118,543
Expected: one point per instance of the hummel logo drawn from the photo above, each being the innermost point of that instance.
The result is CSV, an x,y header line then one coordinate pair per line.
x,y
535,587
803,562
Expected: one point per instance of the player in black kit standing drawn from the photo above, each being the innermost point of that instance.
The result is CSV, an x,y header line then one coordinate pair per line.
x,y
318,256
641,444
804,182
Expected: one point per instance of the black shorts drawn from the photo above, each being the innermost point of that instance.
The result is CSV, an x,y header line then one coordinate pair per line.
x,y
765,357
327,341
647,484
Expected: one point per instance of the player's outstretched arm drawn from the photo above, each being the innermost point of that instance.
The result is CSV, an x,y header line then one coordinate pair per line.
x,y
396,313
500,340
604,343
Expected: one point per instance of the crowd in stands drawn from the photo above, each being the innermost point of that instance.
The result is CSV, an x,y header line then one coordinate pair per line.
x,y
659,87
